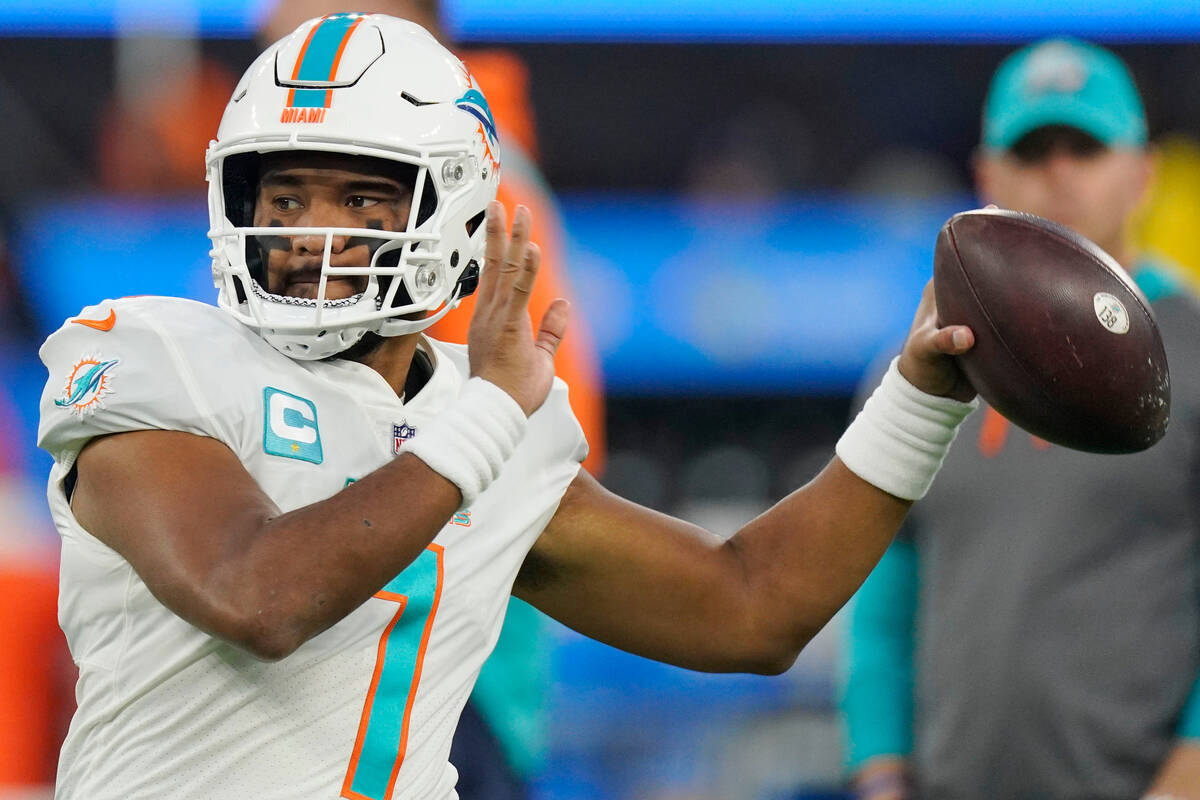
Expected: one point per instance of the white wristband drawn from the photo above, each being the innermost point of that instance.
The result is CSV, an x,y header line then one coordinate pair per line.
x,y
899,439
472,438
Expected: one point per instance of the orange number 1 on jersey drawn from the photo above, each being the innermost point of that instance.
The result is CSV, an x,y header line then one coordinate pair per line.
x,y
383,730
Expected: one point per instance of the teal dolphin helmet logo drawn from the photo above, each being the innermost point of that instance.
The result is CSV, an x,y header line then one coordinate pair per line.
x,y
475,104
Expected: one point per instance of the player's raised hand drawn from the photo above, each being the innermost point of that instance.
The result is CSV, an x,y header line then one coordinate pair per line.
x,y
926,360
503,347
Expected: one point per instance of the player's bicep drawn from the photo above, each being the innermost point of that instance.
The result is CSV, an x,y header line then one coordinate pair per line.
x,y
638,580
175,506
596,534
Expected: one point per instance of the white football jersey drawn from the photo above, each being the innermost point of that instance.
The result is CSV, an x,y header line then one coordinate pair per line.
x,y
367,708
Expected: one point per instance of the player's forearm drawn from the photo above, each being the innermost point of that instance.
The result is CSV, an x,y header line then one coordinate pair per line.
x,y
641,581
807,555
303,571
661,588
362,537
783,576
664,589
214,548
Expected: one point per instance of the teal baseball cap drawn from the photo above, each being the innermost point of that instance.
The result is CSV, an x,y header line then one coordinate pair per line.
x,y
1063,82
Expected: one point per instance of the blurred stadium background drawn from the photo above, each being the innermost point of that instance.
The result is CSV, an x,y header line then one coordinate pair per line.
x,y
751,193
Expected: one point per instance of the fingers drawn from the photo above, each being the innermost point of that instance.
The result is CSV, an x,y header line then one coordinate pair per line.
x,y
554,326
502,345
522,284
953,340
513,264
496,243
510,262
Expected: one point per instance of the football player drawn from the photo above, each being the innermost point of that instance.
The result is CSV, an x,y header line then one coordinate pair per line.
x,y
291,522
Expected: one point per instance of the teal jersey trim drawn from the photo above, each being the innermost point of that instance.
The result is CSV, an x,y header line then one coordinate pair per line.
x,y
1155,278
511,690
877,679
1189,720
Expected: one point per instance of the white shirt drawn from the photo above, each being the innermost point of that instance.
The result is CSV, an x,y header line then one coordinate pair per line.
x,y
367,708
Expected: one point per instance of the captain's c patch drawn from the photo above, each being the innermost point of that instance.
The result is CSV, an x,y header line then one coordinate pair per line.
x,y
290,426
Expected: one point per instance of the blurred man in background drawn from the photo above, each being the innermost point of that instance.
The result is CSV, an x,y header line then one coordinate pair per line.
x,y
500,742
1034,632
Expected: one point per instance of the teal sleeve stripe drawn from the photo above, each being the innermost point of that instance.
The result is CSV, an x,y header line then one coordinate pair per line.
x,y
510,693
877,659
1189,721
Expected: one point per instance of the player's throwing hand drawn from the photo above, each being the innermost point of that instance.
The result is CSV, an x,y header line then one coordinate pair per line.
x,y
926,358
502,346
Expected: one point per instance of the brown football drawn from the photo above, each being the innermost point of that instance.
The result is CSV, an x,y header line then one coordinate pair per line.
x,y
1065,343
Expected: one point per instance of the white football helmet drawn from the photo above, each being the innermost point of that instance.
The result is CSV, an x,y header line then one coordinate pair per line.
x,y
365,85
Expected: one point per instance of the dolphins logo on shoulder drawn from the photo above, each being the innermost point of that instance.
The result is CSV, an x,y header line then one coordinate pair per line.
x,y
90,381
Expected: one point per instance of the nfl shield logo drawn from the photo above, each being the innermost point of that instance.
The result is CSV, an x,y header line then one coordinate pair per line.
x,y
400,434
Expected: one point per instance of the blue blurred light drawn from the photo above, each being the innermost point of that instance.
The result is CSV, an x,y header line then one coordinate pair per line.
x,y
71,253
661,20
110,17
817,20
796,296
